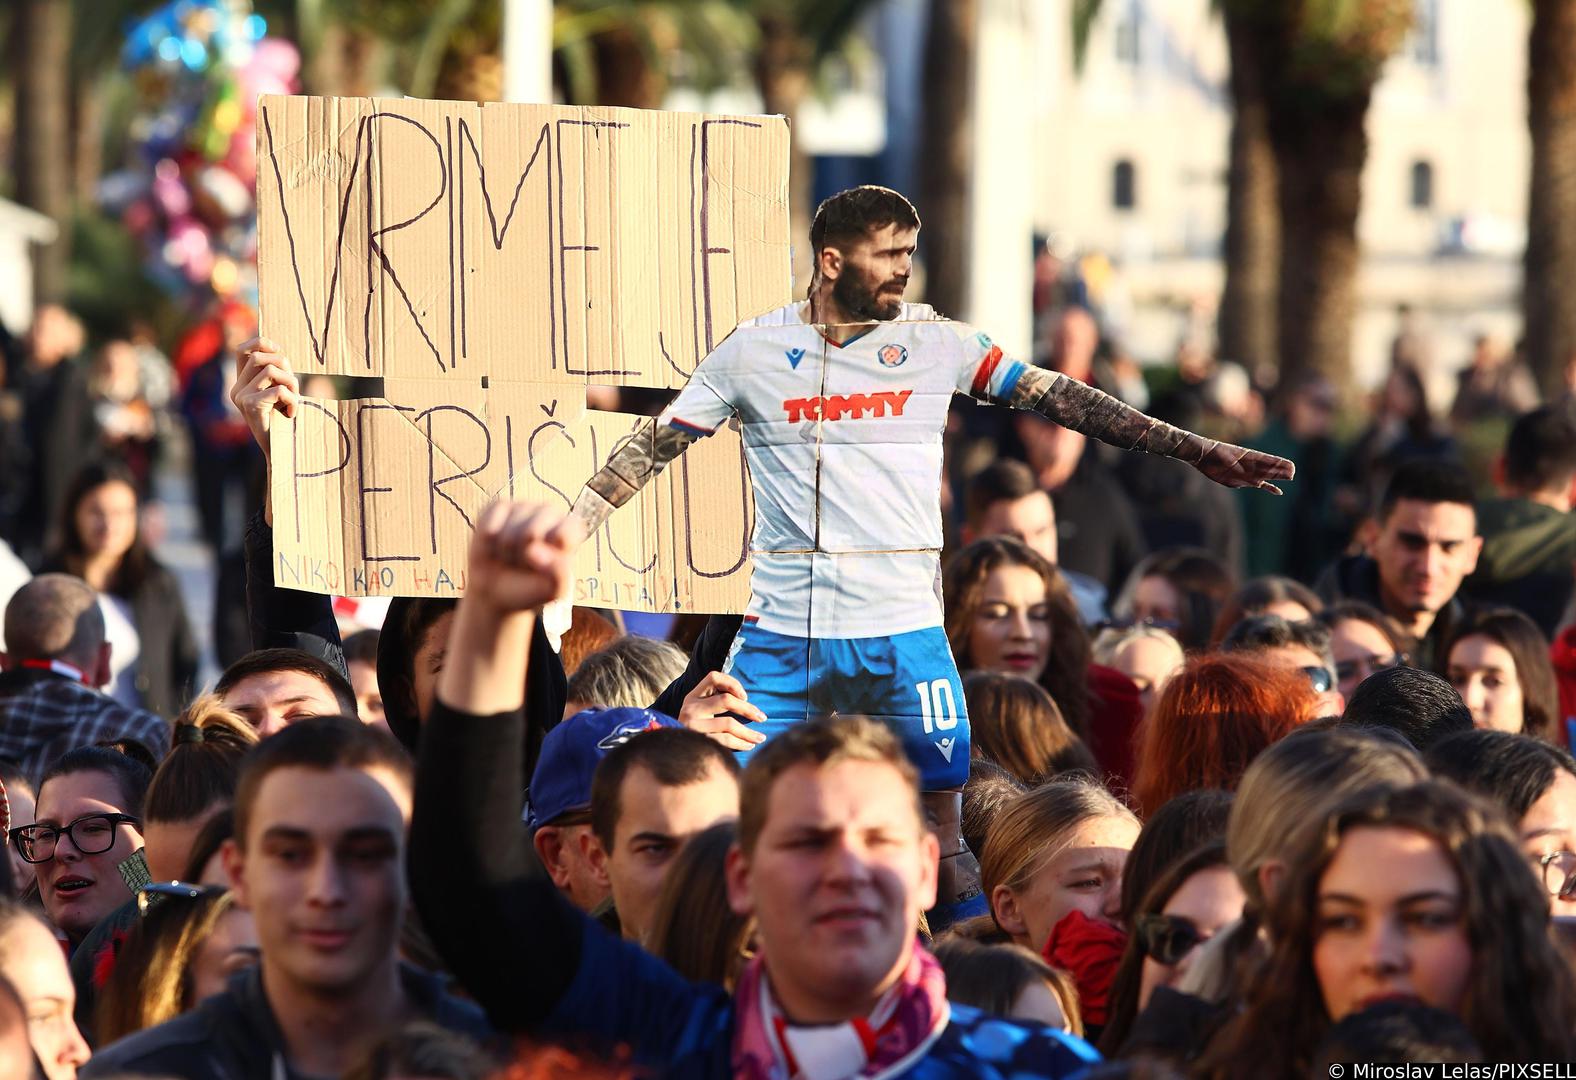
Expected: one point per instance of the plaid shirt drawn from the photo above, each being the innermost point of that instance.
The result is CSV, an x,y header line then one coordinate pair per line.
x,y
42,715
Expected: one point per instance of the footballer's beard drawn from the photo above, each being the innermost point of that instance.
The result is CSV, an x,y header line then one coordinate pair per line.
x,y
881,304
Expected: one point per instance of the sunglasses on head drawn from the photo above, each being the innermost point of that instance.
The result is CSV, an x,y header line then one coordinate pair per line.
x,y
1322,678
152,894
1166,939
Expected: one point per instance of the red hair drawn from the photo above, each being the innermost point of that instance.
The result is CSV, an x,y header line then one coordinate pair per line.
x,y
1212,720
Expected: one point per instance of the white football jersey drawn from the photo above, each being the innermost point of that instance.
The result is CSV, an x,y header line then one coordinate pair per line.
x,y
843,441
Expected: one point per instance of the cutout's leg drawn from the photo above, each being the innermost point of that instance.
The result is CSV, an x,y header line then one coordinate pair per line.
x,y
959,894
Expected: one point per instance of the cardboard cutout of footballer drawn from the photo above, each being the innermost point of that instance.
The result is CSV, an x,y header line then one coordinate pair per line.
x,y
842,400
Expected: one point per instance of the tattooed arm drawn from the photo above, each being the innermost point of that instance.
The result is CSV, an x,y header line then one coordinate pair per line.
x,y
630,468
1092,412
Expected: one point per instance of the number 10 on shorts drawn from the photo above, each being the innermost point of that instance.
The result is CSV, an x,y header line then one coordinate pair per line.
x,y
937,706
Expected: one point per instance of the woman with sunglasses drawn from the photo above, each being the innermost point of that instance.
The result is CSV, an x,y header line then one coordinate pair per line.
x,y
1498,661
1191,902
1419,894
89,821
1363,640
1534,783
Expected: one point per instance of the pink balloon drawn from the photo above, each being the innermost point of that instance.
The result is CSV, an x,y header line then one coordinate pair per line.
x,y
189,248
169,191
271,70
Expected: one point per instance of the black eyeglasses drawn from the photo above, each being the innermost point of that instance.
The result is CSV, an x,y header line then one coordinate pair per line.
x,y
1559,874
1322,678
91,834
1166,939
151,895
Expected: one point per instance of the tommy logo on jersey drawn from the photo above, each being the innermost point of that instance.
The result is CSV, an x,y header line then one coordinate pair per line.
x,y
892,355
846,406
794,356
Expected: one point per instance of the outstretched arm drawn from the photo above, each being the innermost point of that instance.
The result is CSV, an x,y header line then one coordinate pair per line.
x,y
471,875
630,468
1082,408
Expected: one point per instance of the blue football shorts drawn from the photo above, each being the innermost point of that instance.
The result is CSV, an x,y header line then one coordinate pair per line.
x,y
908,682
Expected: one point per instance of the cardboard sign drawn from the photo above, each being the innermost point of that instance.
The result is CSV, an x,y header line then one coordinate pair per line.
x,y
489,263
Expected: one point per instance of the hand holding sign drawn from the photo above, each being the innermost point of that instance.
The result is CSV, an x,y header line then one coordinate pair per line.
x,y
264,383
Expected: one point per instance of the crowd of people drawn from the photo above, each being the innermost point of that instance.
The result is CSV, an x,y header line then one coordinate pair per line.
x,y
1257,786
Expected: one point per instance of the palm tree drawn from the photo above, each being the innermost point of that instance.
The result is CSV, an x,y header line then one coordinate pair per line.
x,y
946,157
1550,259
1320,59
1247,315
41,42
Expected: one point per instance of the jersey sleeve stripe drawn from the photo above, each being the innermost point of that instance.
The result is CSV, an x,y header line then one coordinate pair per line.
x,y
987,368
1009,380
693,429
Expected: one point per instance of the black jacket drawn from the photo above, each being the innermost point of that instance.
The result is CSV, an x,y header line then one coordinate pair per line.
x,y
233,1035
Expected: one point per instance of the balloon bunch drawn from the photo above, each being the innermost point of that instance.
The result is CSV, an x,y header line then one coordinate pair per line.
x,y
188,191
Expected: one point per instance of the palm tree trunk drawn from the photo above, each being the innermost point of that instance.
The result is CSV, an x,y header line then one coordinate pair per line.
x,y
42,41
1253,240
782,73
1550,260
350,62
946,157
1320,150
624,74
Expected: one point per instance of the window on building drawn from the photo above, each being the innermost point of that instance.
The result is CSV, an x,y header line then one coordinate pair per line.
x,y
1422,185
1124,186
1128,27
1423,45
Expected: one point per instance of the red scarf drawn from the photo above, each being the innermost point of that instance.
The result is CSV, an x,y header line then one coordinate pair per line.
x,y
1090,952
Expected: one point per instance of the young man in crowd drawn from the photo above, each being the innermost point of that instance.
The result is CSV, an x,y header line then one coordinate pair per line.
x,y
56,659
650,796
1424,544
558,805
318,858
834,862
1003,499
1529,533
274,688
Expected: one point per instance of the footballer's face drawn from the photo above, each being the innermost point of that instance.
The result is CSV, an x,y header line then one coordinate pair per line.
x,y
875,273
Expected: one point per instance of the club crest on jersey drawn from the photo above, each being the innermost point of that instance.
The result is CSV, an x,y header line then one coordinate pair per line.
x,y
794,356
892,355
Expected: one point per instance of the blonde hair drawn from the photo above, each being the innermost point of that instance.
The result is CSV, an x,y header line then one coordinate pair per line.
x,y
1113,640
1037,826
1295,782
151,980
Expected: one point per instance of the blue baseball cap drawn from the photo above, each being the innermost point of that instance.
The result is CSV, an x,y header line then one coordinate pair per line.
x,y
569,756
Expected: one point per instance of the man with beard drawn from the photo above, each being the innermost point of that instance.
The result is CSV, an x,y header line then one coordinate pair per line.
x,y
843,399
